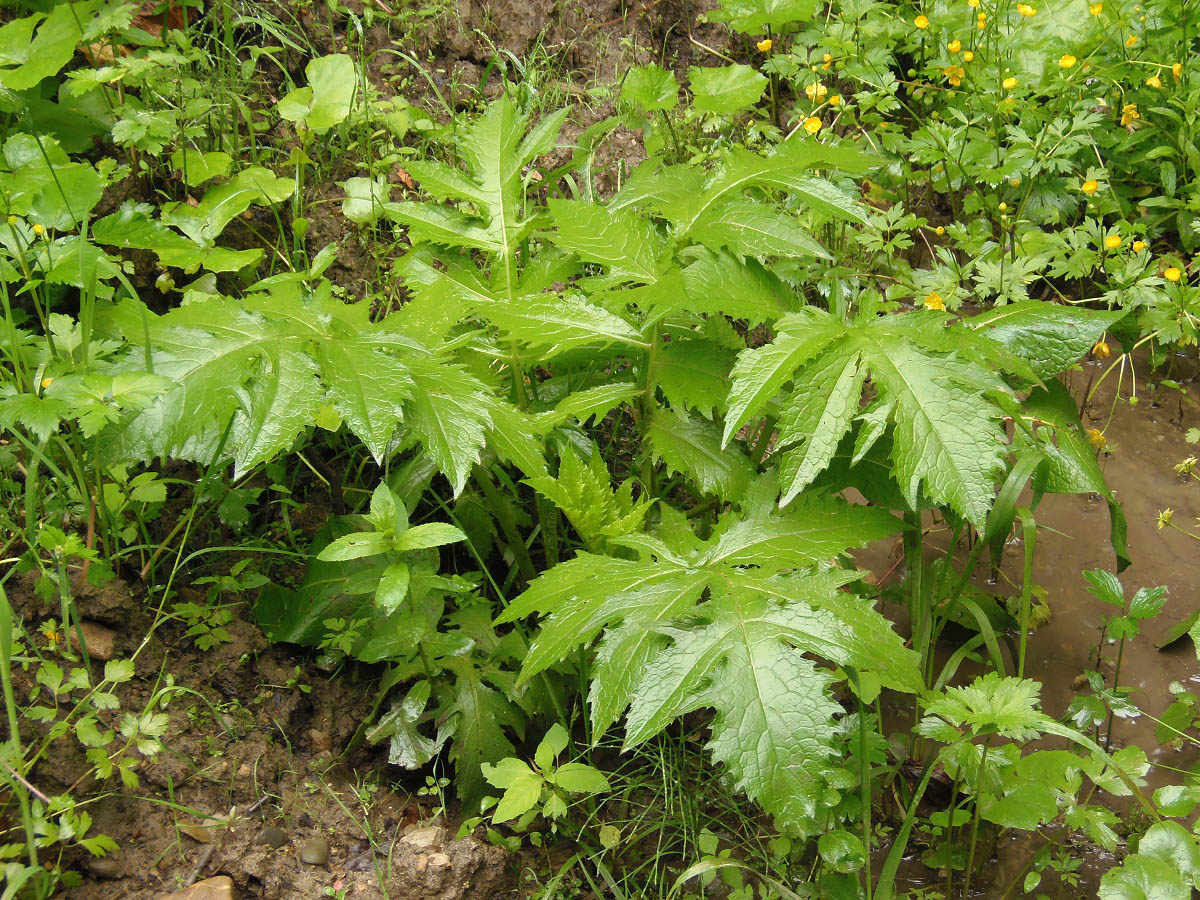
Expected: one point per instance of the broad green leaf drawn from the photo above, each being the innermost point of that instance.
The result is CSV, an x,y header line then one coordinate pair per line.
x,y
450,411
329,96
578,778
198,167
371,401
393,587
724,90
366,199
754,229
719,284
554,743
355,546
479,716
651,87
1143,878
620,239
692,447
431,534
756,16
51,48
1049,336
408,747
219,206
694,375
761,373
1173,844
559,323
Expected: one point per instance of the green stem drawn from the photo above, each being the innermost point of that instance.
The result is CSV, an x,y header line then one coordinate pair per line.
x,y
504,518
975,817
16,753
1029,532
764,440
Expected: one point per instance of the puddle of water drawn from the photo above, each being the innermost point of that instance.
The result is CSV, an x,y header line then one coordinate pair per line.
x,y
1146,441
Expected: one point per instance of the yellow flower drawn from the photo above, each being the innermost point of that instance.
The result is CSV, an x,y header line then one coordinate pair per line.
x,y
954,46
1164,518
934,301
12,220
1154,81
1003,206
921,22
812,124
835,100
39,228
1090,186
972,3
1139,246
1129,112
765,45
1100,350
939,231
1009,83
1172,274
981,21
828,60
1096,8
954,75
1099,441
1066,61
816,92
1177,70
1026,10
968,56
1015,182
1112,242
47,381
1131,41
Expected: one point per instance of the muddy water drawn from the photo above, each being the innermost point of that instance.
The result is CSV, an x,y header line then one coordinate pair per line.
x,y
1145,442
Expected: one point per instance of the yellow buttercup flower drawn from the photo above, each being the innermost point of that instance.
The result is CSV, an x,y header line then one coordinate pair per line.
x,y
1154,81
1131,41
828,61
934,301
1096,436
1139,246
765,45
816,92
939,231
1066,61
39,229
1096,8
835,100
1177,70
1172,274
981,21
47,381
954,46
1009,83
921,22
1100,350
968,56
1112,242
1003,206
1129,112
812,124
954,75
1026,10
972,3
1090,186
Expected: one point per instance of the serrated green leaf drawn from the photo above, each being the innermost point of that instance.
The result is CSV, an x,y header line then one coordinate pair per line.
x,y
694,375
479,716
1049,336
747,228
557,324
692,447
756,16
651,87
450,411
620,239
724,90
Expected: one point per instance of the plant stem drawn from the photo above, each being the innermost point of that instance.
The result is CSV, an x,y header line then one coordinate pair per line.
x,y
975,817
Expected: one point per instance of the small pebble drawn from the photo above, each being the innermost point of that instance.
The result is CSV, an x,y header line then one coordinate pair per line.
x,y
106,867
315,852
272,837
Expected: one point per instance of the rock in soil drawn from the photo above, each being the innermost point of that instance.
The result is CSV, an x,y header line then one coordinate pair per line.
x,y
271,836
106,867
426,865
219,888
315,852
101,641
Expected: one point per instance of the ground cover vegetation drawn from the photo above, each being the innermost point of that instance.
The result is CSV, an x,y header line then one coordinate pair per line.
x,y
589,455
